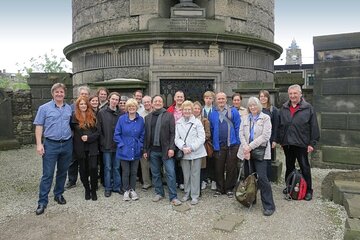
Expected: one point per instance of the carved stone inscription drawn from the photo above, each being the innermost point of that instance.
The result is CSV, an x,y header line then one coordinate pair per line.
x,y
169,56
187,25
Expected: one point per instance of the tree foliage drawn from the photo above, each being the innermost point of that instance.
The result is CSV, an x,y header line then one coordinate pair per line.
x,y
47,63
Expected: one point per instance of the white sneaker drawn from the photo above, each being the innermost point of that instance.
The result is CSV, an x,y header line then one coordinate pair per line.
x,y
176,202
126,196
185,198
134,195
181,186
157,198
194,201
213,185
203,185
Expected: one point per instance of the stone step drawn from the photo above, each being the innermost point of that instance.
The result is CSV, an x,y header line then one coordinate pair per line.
x,y
343,186
352,204
352,229
276,169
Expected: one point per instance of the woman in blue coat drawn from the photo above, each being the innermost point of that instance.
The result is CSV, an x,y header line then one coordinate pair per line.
x,y
129,137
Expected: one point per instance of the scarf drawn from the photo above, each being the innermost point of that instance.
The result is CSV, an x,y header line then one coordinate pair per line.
x,y
158,127
253,120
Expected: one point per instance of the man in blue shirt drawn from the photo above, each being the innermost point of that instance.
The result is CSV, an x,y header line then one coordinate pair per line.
x,y
53,122
225,124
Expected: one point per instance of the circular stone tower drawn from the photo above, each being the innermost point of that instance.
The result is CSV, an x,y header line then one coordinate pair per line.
x,y
165,45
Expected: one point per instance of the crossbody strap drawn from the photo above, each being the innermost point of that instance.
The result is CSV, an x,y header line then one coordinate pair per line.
x,y
188,133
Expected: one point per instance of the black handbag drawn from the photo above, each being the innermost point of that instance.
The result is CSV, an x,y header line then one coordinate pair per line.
x,y
258,153
179,154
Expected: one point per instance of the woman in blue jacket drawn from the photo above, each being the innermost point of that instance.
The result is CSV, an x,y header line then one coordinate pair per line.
x,y
129,137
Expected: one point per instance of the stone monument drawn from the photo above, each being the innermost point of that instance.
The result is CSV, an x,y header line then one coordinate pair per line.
x,y
162,46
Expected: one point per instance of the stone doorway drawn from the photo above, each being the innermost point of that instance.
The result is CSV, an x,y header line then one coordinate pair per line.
x,y
193,89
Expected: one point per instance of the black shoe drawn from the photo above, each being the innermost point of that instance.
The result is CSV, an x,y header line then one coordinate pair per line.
x,y
60,200
308,196
87,194
230,194
268,212
40,209
217,194
70,185
107,193
285,191
93,195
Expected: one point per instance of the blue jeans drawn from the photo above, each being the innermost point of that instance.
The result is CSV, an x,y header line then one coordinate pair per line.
x,y
59,155
111,172
156,163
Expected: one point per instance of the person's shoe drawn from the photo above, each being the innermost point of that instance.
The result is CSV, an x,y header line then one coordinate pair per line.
x,y
146,187
194,201
217,194
60,200
157,198
268,212
181,186
93,195
285,191
203,185
107,193
87,194
230,194
40,209
185,198
213,185
134,195
70,185
308,196
176,202
126,196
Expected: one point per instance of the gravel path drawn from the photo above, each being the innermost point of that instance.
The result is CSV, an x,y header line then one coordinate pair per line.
x,y
112,218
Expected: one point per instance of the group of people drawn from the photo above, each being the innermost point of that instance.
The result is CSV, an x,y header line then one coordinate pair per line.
x,y
187,144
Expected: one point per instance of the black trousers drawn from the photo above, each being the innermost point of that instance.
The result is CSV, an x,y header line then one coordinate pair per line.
x,y
226,160
260,167
88,169
293,153
73,170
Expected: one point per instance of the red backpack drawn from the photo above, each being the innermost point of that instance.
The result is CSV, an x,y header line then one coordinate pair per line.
x,y
296,186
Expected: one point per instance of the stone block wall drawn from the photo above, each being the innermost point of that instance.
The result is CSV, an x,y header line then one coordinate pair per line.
x,y
336,98
22,116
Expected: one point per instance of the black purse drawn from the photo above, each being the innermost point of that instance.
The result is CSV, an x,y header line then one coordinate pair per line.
x,y
179,154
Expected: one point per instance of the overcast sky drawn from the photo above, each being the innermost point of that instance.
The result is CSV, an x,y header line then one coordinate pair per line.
x,y
32,28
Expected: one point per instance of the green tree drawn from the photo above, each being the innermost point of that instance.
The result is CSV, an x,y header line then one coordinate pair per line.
x,y
47,63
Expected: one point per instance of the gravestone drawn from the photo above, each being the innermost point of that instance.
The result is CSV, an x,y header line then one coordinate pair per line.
x,y
7,138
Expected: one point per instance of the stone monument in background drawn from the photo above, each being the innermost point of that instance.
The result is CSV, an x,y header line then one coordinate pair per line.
x,y
162,46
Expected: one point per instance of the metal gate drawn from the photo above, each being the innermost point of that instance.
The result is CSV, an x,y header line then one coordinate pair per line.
x,y
193,89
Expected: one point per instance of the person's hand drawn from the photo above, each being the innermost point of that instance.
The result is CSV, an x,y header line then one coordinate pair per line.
x,y
247,149
310,149
186,150
273,145
247,156
145,155
84,138
40,149
170,153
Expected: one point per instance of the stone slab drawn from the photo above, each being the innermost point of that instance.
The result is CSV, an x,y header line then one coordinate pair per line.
x,y
9,144
181,208
234,218
345,155
276,169
224,225
337,41
352,204
352,229
343,186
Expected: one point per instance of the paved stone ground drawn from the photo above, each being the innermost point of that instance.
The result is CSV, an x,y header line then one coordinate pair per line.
x,y
112,218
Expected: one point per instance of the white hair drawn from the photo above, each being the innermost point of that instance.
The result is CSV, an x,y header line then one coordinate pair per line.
x,y
296,87
254,101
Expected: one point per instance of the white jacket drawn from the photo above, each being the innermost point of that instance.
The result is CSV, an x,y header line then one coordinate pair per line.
x,y
262,133
195,139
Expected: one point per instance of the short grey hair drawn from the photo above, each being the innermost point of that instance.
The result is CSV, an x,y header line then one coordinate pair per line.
x,y
56,86
254,101
86,88
295,86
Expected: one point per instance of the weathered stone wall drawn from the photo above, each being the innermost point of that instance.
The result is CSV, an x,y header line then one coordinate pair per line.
x,y
336,98
22,116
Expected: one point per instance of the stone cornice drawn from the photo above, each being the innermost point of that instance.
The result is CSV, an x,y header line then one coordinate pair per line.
x,y
152,37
